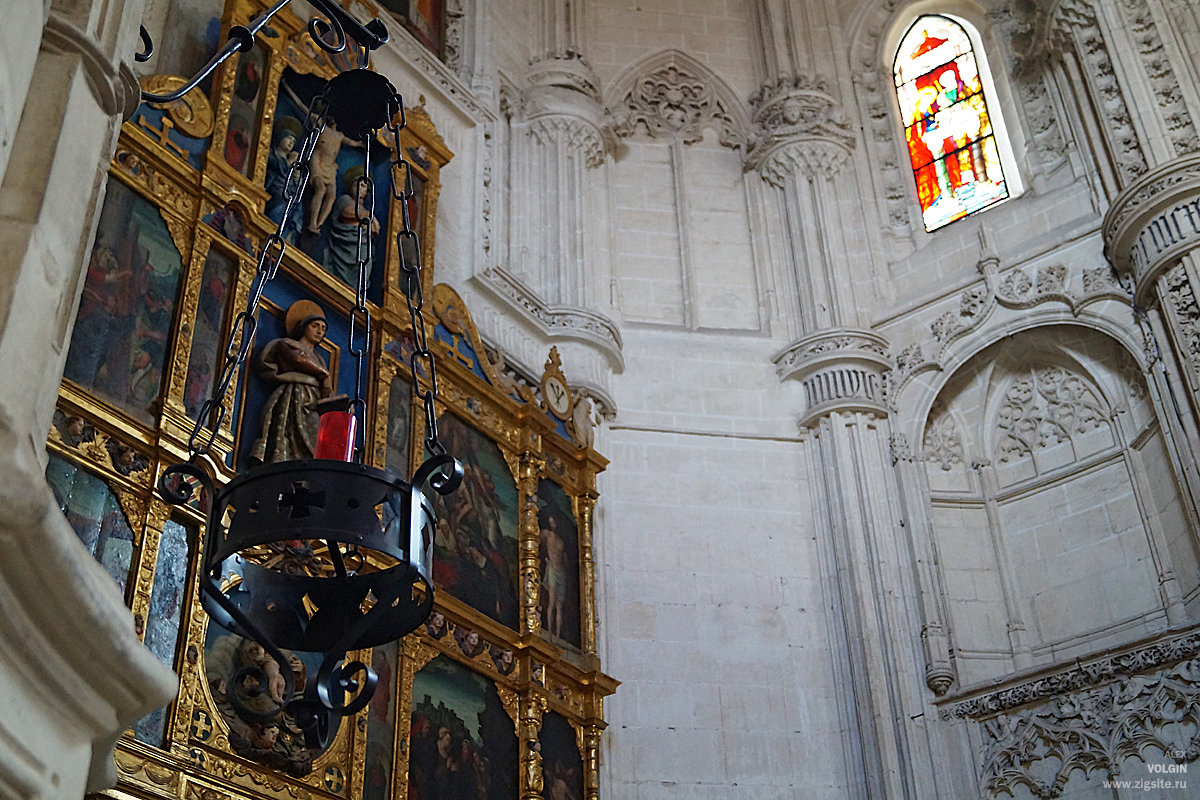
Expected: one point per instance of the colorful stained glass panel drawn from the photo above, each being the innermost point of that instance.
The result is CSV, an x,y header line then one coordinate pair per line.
x,y
951,144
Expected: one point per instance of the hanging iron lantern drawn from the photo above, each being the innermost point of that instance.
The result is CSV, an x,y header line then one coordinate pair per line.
x,y
325,554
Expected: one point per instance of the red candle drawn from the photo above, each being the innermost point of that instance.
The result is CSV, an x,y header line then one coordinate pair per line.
x,y
335,436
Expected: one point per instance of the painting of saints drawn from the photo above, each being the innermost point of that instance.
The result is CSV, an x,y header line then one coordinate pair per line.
x,y
381,725
122,332
475,548
558,548
462,743
562,766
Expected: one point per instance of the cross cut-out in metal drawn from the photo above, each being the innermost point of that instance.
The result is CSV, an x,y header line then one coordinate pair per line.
x,y
301,500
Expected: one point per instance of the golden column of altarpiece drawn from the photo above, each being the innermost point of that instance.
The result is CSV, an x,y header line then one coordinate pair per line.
x,y
500,694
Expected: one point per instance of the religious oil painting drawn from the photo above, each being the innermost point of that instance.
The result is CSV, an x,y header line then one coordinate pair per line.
x,y
463,742
562,765
324,223
558,551
167,600
416,208
381,725
948,129
95,514
399,425
247,686
422,18
243,111
122,335
207,332
475,549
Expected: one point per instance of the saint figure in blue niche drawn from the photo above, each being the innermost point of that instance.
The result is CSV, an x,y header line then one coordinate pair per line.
x,y
283,155
341,257
301,377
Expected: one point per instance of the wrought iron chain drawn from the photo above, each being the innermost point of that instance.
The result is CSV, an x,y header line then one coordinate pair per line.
x,y
241,335
421,360
364,213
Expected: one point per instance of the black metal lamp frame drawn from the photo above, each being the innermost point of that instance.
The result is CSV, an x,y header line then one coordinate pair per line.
x,y
318,555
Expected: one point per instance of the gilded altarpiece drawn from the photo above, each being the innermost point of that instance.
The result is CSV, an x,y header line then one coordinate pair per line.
x,y
505,670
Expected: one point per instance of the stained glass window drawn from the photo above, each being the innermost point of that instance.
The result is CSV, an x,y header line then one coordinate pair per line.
x,y
951,142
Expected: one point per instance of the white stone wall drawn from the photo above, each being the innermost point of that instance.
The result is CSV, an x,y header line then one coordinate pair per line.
x,y
712,608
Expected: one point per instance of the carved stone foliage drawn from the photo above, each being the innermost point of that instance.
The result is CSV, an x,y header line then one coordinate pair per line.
x,y
798,123
1026,288
1078,676
845,343
1048,406
452,46
942,443
1186,313
876,96
1047,30
1095,731
675,101
1171,106
1034,89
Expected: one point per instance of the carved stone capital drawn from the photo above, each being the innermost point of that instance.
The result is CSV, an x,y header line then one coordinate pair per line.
x,y
841,370
811,158
1153,222
562,106
572,133
571,73
798,124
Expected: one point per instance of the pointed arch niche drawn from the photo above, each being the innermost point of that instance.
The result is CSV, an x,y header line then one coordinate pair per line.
x,y
1053,507
683,246
953,130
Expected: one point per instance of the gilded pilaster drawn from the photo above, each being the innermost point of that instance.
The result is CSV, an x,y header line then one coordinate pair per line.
x,y
529,470
586,504
530,710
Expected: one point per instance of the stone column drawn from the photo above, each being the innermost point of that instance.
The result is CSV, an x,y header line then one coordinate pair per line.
x,y
847,451
940,674
1152,238
549,260
803,147
73,674
558,146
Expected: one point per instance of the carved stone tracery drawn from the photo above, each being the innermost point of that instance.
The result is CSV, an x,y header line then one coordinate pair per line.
x,y
1048,406
943,442
674,101
1095,731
